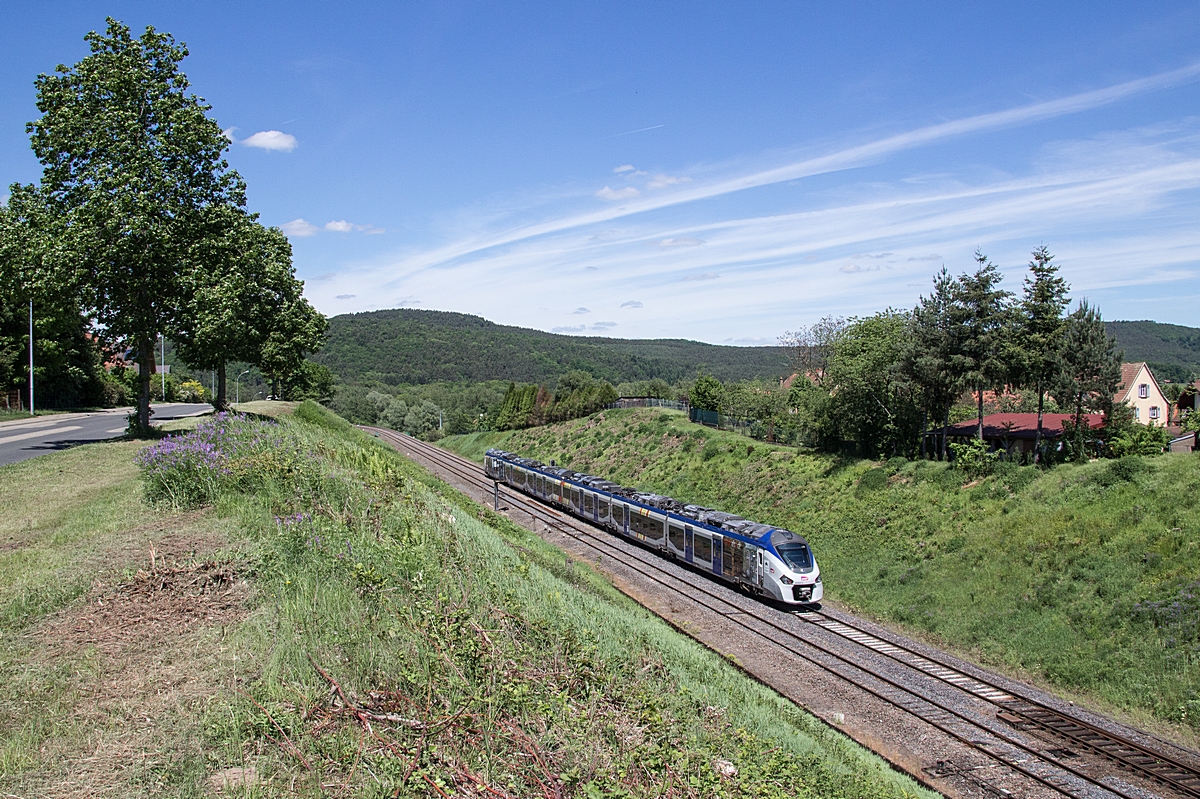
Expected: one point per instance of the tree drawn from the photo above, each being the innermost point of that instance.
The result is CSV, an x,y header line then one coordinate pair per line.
x,y
131,166
1039,333
1091,369
927,360
982,316
706,393
870,400
296,329
809,348
239,283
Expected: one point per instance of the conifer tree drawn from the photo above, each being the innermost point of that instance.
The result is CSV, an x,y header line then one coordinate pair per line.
x,y
1091,369
982,316
1037,350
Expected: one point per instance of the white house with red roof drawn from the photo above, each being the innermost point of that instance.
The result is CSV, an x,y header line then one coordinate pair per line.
x,y
1140,391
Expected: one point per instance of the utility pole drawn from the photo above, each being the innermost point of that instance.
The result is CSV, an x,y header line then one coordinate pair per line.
x,y
237,386
31,357
162,363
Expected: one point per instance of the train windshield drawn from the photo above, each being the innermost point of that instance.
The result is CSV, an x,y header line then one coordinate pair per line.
x,y
795,555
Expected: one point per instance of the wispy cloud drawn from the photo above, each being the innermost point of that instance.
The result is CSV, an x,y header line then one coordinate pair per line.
x,y
339,226
568,329
659,181
1082,197
298,228
623,168
580,310
270,140
612,195
603,325
345,296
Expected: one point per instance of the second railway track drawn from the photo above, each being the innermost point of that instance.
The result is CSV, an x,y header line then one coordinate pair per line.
x,y
1000,738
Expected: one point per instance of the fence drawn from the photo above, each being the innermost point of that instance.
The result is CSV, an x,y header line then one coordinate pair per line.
x,y
13,401
647,402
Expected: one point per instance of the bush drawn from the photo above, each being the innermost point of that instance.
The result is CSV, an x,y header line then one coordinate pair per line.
x,y
711,450
191,391
226,453
974,459
873,479
1122,470
1140,439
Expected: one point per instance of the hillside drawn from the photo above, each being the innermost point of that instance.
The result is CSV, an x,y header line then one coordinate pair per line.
x,y
407,346
1173,351
1082,576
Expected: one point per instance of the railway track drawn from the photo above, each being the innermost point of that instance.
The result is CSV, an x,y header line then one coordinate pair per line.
x,y
998,738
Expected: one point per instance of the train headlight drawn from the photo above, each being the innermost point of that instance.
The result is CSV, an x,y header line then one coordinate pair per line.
x,y
785,580
818,578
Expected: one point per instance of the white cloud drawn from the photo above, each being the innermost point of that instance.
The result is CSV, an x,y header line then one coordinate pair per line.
x,y
340,226
577,329
345,296
611,194
580,310
270,140
228,133
632,304
931,257
680,241
298,228
853,269
603,325
703,276
658,181
623,168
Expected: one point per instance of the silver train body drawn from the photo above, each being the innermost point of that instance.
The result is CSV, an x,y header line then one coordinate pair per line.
x,y
765,560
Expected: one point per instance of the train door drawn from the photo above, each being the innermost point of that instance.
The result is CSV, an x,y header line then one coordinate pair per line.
x,y
687,543
760,566
716,555
625,519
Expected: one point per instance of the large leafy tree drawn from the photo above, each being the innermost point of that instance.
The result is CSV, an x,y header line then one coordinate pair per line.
x,y
1037,350
132,167
240,287
293,330
1091,369
982,316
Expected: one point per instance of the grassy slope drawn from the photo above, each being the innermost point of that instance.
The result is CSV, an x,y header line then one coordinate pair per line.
x,y
408,346
1085,577
393,584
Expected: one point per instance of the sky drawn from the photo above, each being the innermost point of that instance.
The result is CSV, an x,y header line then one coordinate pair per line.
x,y
723,172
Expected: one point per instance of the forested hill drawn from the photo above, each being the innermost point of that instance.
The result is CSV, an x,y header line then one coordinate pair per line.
x,y
415,346
1173,351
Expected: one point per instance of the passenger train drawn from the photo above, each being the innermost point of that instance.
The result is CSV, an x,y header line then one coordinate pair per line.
x,y
765,560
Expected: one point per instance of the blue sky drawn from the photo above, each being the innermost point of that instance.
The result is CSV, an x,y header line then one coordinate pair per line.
x,y
721,172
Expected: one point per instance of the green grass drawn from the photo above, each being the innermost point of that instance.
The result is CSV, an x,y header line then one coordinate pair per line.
x,y
1083,577
529,670
7,415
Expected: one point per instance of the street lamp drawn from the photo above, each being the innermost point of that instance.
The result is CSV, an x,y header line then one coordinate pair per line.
x,y
237,386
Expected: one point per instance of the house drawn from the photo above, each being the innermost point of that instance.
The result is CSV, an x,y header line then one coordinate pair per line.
x,y
1141,392
1014,432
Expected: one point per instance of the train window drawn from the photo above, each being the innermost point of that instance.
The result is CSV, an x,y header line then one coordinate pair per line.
x,y
675,533
648,526
602,508
574,497
731,560
795,555
519,477
588,503
701,548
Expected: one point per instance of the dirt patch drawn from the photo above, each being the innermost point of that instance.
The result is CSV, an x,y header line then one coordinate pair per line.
x,y
159,605
146,654
177,537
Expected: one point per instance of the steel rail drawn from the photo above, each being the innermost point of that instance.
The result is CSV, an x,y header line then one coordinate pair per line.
x,y
1117,748
471,472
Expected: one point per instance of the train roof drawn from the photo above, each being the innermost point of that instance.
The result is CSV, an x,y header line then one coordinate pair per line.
x,y
709,517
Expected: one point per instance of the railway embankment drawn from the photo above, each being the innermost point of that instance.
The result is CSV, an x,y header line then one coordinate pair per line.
x,y
1083,578
298,610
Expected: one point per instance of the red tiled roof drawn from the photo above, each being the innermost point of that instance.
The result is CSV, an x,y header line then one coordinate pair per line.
x,y
1021,425
1129,373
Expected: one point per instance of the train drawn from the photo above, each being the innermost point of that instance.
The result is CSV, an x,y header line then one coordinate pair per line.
x,y
764,560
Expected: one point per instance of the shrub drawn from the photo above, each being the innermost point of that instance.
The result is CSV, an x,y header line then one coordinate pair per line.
x,y
227,452
1140,439
191,391
711,450
873,479
973,459
1122,470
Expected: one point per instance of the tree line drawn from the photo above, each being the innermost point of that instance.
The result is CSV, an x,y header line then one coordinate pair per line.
x,y
877,384
138,227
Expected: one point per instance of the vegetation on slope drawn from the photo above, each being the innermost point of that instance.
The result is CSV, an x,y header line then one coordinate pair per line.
x,y
407,346
395,640
1173,351
1083,575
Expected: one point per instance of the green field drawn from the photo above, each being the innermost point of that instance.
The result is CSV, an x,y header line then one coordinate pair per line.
x,y
1085,578
337,622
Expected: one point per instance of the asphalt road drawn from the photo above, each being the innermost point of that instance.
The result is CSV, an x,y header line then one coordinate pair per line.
x,y
42,434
